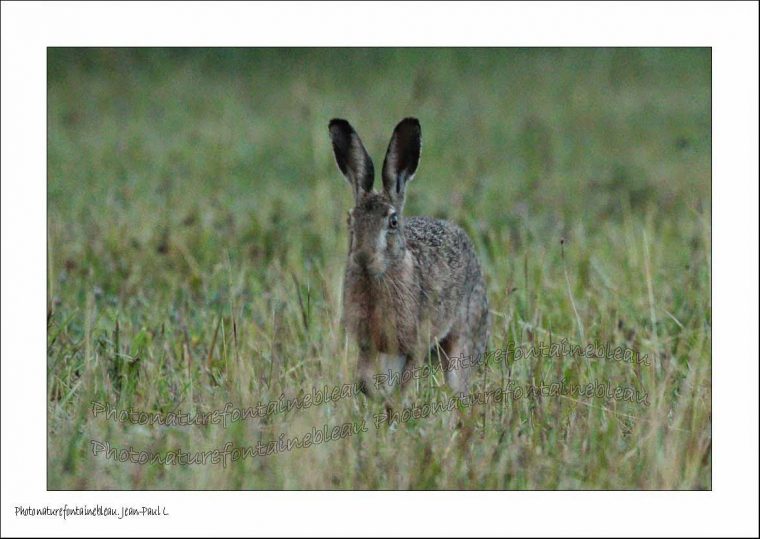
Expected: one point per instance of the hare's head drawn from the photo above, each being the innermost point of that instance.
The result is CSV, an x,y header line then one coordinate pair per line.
x,y
375,223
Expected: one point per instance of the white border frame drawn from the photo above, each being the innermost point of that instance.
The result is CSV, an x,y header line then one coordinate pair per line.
x,y
730,28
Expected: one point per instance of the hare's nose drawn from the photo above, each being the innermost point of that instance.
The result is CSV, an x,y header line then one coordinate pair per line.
x,y
361,258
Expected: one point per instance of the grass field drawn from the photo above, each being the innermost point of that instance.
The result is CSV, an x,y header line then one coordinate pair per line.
x,y
196,243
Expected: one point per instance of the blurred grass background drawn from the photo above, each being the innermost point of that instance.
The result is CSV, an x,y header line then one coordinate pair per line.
x,y
196,241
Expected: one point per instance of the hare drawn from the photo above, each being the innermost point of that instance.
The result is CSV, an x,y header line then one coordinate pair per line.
x,y
412,286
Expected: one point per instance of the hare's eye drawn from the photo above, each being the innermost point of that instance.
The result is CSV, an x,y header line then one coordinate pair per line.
x,y
393,221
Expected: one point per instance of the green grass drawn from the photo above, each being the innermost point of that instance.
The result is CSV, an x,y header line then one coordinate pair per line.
x,y
196,242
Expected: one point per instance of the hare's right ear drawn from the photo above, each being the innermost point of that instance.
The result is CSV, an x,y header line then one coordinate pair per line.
x,y
402,159
351,157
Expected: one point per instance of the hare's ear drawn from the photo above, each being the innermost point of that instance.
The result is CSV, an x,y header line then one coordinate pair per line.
x,y
402,159
353,160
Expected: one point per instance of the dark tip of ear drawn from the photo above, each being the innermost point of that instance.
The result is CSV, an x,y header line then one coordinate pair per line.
x,y
340,125
409,123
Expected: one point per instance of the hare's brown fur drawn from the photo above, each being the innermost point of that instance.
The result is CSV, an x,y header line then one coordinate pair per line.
x,y
410,285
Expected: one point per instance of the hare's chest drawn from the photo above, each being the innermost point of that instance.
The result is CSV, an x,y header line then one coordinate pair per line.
x,y
383,328
372,315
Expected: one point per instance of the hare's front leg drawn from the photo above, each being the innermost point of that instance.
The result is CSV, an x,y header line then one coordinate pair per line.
x,y
366,368
379,372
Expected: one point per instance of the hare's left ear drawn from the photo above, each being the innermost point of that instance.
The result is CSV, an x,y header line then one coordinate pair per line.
x,y
402,159
351,157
